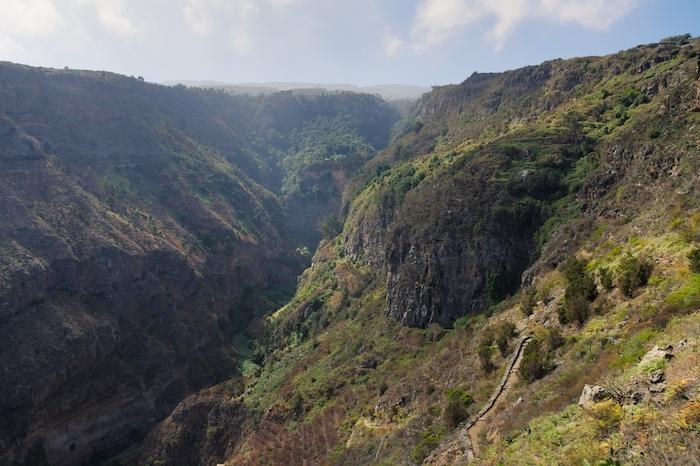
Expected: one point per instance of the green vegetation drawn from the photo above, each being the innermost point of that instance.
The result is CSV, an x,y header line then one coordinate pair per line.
x,y
457,402
503,333
528,300
694,258
632,273
537,360
686,297
580,291
606,278
430,439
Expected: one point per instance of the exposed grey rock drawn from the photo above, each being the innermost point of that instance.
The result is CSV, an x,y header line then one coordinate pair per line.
x,y
592,394
657,353
658,388
656,376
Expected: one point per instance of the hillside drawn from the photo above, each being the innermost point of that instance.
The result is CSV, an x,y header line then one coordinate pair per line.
x,y
544,220
142,229
389,92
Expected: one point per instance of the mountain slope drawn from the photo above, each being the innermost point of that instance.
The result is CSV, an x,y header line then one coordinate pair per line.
x,y
389,92
578,176
137,222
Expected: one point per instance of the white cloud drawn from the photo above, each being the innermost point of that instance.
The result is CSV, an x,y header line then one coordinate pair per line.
x,y
205,17
110,13
438,20
392,44
241,42
27,18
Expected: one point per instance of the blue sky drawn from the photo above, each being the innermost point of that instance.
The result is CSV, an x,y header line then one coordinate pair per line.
x,y
352,41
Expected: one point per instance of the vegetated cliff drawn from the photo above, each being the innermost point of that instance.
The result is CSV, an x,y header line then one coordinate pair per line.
x,y
134,218
578,175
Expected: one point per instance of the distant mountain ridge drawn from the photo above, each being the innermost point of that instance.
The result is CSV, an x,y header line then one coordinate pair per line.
x,y
386,91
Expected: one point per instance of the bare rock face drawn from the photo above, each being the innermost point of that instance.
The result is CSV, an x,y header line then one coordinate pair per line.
x,y
657,353
454,244
592,394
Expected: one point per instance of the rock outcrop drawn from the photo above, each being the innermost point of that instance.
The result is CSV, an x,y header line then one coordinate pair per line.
x,y
593,394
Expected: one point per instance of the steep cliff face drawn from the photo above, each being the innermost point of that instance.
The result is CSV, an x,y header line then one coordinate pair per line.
x,y
134,218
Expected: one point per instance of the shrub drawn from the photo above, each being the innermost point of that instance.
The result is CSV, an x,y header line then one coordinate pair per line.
x,y
296,406
430,439
694,258
606,278
503,333
572,123
632,273
536,362
689,415
528,300
607,414
580,291
580,281
456,407
484,353
550,337
498,286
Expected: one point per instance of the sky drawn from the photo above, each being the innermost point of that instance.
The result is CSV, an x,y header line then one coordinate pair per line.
x,y
362,42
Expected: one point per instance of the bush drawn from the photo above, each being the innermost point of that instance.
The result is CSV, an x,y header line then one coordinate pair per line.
x,y
580,291
633,273
430,439
456,407
581,282
536,362
528,300
606,278
694,258
607,415
503,333
551,338
484,353
575,308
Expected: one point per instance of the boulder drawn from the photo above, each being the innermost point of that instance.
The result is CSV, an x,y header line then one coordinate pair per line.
x,y
657,353
592,394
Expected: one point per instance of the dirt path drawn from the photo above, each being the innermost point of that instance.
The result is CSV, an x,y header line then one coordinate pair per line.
x,y
462,447
510,377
